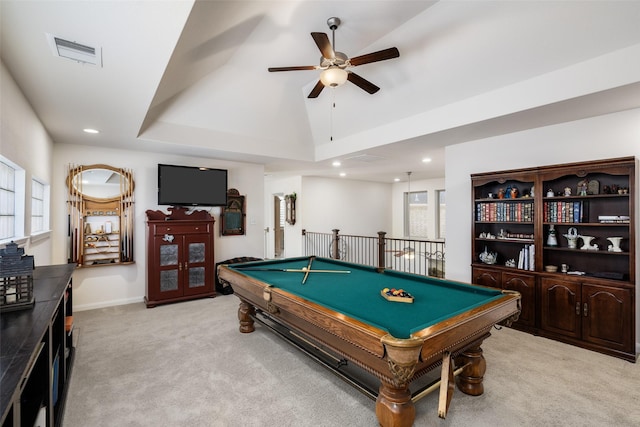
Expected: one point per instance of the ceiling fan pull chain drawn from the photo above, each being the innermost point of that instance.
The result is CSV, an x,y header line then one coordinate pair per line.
x,y
332,107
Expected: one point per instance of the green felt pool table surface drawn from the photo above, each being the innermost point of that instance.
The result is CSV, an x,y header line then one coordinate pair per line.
x,y
357,294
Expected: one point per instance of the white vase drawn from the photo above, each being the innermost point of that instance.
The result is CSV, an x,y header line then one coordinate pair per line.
x,y
586,243
615,244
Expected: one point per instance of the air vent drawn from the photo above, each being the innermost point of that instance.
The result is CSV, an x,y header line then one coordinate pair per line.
x,y
366,158
79,52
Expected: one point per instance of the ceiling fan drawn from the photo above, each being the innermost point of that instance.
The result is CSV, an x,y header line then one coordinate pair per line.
x,y
335,65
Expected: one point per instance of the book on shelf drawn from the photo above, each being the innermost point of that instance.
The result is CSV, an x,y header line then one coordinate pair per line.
x,y
625,219
564,211
504,211
526,259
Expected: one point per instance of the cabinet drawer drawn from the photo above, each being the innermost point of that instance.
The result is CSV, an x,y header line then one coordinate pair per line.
x,y
181,229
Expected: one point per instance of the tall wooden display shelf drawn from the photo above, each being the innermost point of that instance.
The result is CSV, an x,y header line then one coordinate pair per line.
x,y
580,216
179,256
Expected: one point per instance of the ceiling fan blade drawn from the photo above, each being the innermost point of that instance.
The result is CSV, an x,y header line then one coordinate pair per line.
x,y
380,55
316,90
362,83
322,40
297,68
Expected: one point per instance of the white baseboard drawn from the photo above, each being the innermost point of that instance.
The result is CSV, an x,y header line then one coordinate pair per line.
x,y
104,304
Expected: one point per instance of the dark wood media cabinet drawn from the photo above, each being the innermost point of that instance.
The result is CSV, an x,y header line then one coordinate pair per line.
x,y
180,263
36,351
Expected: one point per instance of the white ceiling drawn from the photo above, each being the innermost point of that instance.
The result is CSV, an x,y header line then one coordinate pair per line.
x,y
191,77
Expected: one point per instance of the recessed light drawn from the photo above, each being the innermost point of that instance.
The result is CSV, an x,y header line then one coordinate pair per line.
x,y
426,160
343,174
88,130
396,179
336,163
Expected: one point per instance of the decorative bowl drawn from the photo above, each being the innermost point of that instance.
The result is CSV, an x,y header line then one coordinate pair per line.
x,y
488,257
551,268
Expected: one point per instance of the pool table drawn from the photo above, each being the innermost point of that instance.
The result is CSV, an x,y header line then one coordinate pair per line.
x,y
340,305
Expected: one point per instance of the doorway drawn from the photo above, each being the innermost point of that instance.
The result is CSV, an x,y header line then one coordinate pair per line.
x,y
278,225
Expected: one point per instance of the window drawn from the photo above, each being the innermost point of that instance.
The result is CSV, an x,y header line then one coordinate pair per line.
x,y
39,207
441,225
416,214
11,200
7,201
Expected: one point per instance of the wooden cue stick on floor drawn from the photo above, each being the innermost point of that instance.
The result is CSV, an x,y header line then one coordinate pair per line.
x,y
435,385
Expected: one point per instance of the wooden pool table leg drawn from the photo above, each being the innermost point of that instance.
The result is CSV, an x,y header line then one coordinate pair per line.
x,y
470,379
394,407
246,312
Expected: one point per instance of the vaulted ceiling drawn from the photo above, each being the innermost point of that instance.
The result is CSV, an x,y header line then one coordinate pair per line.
x,y
190,77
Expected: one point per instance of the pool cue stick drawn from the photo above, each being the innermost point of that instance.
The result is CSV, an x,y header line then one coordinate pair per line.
x,y
435,385
304,279
291,270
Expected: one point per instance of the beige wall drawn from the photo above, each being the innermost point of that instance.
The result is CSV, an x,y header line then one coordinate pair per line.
x,y
25,142
112,285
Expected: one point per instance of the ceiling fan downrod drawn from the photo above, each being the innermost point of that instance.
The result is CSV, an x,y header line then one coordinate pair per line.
x,y
333,24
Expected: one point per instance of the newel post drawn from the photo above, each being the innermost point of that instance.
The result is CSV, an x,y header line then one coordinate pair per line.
x,y
381,245
335,251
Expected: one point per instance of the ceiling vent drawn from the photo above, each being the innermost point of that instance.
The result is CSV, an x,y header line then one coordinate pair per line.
x,y
79,52
366,158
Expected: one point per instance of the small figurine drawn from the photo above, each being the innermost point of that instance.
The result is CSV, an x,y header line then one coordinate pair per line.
x,y
552,240
501,193
550,193
567,191
514,192
582,188
507,192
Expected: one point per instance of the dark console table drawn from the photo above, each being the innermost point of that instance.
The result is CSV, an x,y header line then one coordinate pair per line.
x,y
36,351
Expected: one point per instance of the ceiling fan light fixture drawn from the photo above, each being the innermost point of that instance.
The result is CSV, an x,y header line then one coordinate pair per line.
x,y
333,76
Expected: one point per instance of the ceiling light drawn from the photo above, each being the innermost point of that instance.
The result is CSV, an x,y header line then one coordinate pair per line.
x,y
396,179
343,174
333,76
336,163
88,130
426,160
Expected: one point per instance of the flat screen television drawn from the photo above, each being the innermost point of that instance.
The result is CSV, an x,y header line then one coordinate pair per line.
x,y
191,186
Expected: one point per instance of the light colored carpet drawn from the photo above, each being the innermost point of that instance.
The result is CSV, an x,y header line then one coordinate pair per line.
x,y
186,364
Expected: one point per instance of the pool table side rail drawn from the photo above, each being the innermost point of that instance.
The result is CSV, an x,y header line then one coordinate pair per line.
x,y
450,335
463,328
356,332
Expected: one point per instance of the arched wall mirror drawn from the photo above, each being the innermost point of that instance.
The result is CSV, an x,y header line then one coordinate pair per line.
x,y
102,182
100,205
